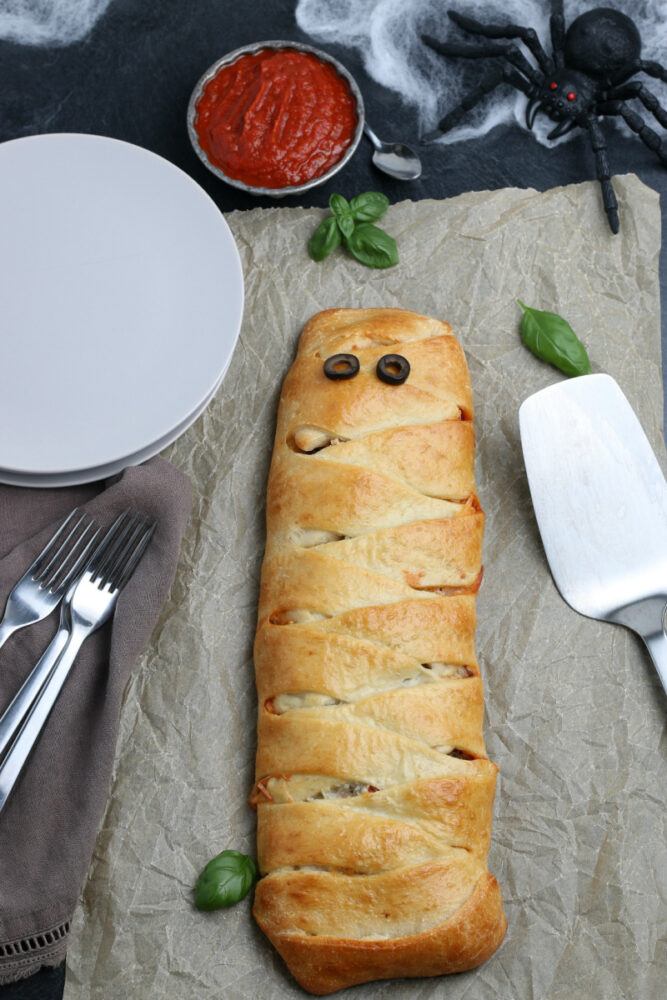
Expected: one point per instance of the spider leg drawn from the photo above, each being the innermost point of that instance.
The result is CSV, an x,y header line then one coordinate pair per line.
x,y
652,68
506,74
645,66
599,147
513,54
527,35
637,124
557,29
648,99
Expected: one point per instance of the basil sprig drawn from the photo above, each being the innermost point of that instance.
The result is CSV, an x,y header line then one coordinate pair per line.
x,y
325,239
372,246
552,339
225,880
369,206
350,223
343,214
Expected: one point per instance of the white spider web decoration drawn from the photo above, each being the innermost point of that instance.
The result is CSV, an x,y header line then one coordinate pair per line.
x,y
386,34
49,22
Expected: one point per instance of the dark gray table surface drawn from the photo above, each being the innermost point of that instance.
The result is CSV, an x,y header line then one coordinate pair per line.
x,y
131,78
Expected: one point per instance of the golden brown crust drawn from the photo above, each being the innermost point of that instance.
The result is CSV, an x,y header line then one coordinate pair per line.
x,y
375,831
466,939
434,459
374,794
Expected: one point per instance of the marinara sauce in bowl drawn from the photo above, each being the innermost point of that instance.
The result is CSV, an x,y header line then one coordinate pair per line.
x,y
275,118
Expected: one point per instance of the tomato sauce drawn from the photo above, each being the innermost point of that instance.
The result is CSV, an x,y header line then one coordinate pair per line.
x,y
276,118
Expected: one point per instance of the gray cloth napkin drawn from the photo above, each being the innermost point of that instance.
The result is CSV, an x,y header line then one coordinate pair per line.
x,y
49,824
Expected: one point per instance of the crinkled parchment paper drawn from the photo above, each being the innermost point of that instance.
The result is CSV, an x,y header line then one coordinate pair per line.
x,y
575,714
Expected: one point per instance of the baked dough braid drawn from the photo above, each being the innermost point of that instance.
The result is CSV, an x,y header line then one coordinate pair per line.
x,y
374,794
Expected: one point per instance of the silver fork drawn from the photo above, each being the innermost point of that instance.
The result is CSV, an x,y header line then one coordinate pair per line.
x,y
86,607
46,580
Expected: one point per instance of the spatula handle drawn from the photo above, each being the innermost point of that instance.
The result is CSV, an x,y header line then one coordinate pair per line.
x,y
647,619
657,647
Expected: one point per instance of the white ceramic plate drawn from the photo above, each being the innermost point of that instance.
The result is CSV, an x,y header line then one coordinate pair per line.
x,y
122,297
99,473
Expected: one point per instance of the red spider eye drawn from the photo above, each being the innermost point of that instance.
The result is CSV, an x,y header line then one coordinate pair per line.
x,y
571,96
553,85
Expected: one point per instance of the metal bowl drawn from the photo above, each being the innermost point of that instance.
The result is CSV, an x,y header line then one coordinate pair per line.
x,y
230,58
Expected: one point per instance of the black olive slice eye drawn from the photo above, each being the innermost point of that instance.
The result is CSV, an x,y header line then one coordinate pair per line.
x,y
393,369
341,366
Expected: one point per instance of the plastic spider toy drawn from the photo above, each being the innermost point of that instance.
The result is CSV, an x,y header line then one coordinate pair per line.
x,y
586,76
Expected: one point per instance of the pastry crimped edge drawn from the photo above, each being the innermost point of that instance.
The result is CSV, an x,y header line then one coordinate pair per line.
x,y
331,738
467,939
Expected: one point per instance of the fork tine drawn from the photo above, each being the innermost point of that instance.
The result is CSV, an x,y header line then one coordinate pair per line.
x,y
135,556
127,559
64,568
37,570
34,596
102,546
126,523
117,557
80,563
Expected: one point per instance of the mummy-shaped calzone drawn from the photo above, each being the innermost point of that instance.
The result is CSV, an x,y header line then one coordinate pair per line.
x,y
374,794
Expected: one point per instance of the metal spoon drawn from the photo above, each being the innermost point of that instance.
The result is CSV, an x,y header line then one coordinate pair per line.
x,y
394,158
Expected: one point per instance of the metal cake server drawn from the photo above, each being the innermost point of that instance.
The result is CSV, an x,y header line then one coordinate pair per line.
x,y
600,499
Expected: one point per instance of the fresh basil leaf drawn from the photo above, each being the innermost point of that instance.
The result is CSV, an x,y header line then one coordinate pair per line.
x,y
340,207
369,206
225,880
372,246
552,339
325,239
346,225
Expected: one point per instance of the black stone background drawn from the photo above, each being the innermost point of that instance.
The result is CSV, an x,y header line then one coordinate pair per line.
x,y
132,77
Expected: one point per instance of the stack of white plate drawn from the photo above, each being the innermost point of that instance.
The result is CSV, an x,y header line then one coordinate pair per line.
x,y
121,297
